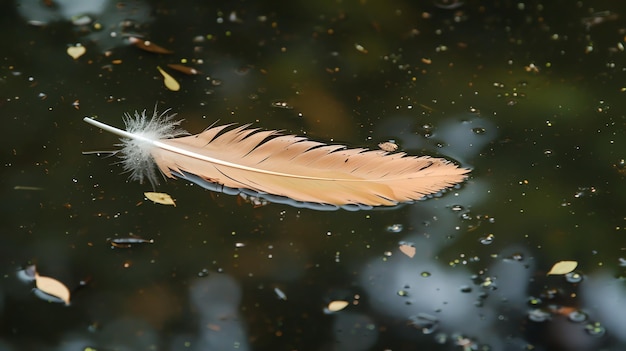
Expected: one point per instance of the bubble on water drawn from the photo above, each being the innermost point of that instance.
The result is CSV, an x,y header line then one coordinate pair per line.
x,y
487,239
577,316
573,277
426,323
538,315
395,228
595,329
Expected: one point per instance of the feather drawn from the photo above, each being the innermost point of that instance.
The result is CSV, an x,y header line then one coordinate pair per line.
x,y
279,168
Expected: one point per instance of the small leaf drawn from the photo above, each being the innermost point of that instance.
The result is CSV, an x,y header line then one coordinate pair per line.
x,y
169,81
160,198
183,69
563,267
338,305
53,288
149,46
408,250
76,51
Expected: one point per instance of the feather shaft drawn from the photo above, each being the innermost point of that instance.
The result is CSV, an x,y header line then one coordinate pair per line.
x,y
181,151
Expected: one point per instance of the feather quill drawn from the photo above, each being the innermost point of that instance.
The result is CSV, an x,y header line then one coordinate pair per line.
x,y
280,168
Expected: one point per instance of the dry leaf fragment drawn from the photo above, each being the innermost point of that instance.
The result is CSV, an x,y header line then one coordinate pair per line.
x,y
407,250
149,46
160,198
169,81
388,146
128,242
76,51
338,305
53,288
563,267
183,69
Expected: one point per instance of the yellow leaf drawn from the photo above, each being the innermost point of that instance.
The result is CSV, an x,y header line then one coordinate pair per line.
x,y
76,51
338,305
169,81
408,250
160,198
53,287
563,267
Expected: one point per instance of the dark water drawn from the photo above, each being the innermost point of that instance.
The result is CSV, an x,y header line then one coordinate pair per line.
x,y
529,95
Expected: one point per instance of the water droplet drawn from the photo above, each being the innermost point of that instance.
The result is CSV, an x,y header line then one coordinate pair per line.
x,y
538,315
547,152
466,289
216,82
595,329
488,239
281,104
456,208
203,273
479,130
425,274
403,293
395,228
573,277
517,256
577,316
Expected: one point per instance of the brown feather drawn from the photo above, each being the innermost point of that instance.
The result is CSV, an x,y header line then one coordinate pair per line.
x,y
308,171
272,165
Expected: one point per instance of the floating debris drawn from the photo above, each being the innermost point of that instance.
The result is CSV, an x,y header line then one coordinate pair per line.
x,y
563,267
282,104
52,287
160,198
408,250
169,81
128,242
183,69
338,305
149,46
26,187
76,51
389,146
281,295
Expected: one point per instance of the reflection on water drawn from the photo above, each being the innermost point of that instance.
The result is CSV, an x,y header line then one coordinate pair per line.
x,y
527,98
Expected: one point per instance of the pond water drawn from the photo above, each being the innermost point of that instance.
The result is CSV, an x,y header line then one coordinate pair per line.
x,y
530,96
